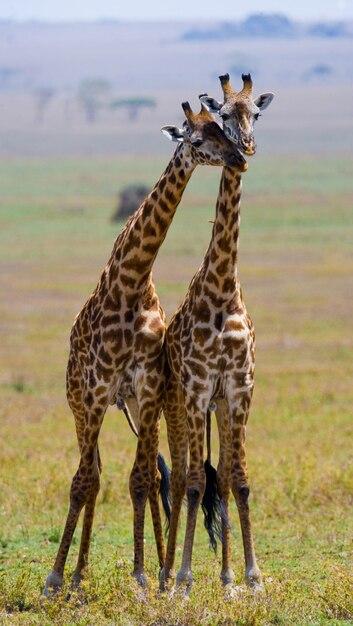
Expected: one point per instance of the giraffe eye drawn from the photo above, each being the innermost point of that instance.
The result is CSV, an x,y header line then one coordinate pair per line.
x,y
225,116
197,143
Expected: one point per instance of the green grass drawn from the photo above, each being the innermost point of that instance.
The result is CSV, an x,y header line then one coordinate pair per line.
x,y
297,273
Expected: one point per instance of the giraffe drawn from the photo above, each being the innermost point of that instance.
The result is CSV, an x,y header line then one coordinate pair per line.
x,y
116,351
210,345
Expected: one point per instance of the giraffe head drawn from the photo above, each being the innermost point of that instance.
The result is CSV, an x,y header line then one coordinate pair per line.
x,y
208,143
239,111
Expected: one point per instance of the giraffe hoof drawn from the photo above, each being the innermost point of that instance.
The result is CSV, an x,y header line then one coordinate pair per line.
x,y
256,586
76,581
227,577
53,584
140,579
183,583
165,579
253,580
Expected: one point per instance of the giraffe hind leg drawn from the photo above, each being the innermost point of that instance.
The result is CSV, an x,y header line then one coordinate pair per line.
x,y
83,492
223,479
239,411
175,417
87,524
135,418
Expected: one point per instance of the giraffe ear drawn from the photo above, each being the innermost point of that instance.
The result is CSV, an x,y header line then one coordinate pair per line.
x,y
210,104
263,101
173,133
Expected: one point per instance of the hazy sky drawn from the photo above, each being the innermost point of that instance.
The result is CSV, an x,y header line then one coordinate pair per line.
x,y
164,9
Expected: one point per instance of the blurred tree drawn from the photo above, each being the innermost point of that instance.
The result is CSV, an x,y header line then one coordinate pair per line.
x,y
42,95
133,106
7,76
92,95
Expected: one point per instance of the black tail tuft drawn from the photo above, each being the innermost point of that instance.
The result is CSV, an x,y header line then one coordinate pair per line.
x,y
164,489
212,506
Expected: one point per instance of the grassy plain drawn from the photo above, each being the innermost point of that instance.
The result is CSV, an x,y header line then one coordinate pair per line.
x,y
297,275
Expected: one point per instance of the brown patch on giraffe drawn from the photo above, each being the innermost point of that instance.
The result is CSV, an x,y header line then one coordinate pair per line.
x,y
132,242
147,208
128,336
170,196
212,278
162,183
157,326
224,244
196,368
234,201
127,281
161,223
135,264
108,320
89,399
150,248
201,335
234,325
109,303
218,321
149,231
129,316
116,295
139,322
222,267
234,306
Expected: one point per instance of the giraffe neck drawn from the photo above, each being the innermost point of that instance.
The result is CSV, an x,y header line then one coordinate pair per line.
x,y
136,248
220,273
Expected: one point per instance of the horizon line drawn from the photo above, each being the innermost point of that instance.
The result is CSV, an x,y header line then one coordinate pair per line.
x,y
117,20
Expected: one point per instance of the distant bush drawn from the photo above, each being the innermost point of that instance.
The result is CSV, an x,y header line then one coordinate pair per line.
x,y
329,29
271,25
133,105
320,71
129,200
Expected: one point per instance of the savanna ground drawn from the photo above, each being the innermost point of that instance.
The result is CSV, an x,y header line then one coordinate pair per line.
x,y
297,276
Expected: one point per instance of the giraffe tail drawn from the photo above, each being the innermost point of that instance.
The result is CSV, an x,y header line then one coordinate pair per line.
x,y
164,489
211,502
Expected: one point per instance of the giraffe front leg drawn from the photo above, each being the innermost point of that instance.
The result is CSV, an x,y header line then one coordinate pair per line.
x,y
239,411
144,479
195,487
